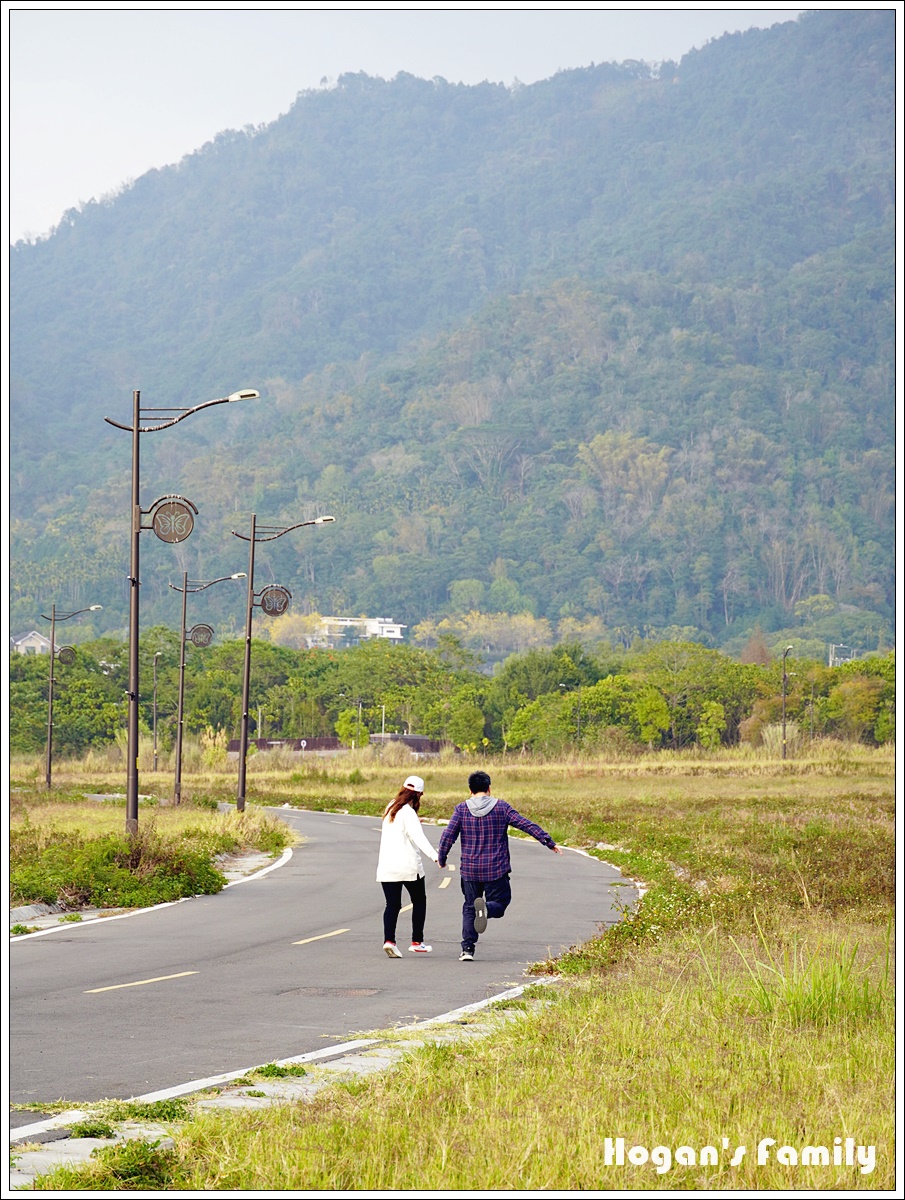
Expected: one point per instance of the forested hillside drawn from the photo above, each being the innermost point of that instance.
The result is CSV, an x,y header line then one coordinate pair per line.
x,y
615,350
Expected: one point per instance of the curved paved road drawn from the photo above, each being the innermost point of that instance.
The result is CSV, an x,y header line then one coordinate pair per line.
x,y
276,966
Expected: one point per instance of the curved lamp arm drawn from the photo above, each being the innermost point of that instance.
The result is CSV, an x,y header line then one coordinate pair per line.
x,y
270,531
199,587
78,612
246,394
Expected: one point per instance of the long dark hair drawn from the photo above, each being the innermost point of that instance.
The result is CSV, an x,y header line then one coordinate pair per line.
x,y
403,796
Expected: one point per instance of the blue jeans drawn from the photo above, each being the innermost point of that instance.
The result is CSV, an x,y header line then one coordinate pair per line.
x,y
496,892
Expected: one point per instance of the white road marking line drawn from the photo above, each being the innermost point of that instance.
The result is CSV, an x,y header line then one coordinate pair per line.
x,y
137,912
24,937
25,1132
319,937
139,982
445,882
479,1004
281,861
407,908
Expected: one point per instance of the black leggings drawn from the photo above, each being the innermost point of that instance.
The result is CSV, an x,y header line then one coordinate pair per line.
x,y
393,893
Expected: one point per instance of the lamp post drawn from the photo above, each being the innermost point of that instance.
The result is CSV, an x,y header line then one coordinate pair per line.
x,y
274,600
200,635
171,520
785,684
66,655
156,656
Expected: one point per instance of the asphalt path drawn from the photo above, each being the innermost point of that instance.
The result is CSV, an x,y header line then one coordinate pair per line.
x,y
281,964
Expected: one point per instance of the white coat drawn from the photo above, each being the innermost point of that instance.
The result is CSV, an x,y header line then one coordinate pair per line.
x,y
400,842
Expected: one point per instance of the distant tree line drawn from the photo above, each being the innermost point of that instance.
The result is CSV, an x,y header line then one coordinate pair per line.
x,y
668,694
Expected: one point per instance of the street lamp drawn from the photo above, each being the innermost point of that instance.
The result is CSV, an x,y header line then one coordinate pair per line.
x,y
785,684
67,656
172,521
200,635
156,656
274,600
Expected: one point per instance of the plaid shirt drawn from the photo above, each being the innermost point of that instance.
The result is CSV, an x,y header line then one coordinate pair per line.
x,y
485,840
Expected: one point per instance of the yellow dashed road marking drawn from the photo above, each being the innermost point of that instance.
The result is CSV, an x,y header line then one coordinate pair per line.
x,y
446,882
139,982
319,937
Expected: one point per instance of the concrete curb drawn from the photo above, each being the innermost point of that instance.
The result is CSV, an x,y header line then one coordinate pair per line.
x,y
360,1058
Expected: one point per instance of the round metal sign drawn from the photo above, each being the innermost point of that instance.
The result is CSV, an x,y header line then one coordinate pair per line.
x,y
201,635
275,600
66,655
173,521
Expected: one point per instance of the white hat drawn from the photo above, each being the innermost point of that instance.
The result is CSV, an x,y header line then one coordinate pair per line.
x,y
415,782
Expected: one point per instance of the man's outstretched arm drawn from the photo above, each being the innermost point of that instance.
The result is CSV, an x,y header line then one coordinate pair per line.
x,y
519,822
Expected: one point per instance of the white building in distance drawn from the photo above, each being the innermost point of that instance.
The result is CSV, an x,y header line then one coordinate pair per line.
x,y
332,631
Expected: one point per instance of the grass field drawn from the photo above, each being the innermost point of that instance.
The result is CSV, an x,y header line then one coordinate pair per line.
x,y
749,997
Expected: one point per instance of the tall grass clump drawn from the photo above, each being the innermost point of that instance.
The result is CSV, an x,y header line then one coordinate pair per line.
x,y
817,986
771,739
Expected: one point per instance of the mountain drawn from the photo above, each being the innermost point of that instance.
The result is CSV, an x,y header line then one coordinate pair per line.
x,y
615,346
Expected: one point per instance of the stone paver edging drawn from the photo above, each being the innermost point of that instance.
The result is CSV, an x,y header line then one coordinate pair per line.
x,y
360,1058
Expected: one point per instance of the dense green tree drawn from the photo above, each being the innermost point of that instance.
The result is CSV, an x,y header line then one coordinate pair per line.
x,y
689,678
350,728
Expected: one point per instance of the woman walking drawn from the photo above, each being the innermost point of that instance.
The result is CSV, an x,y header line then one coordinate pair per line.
x,y
399,865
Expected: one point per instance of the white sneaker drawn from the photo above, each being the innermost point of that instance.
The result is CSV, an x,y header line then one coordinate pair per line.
x,y
420,948
466,956
391,950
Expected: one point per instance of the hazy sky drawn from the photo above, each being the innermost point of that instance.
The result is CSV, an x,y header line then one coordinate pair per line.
x,y
99,96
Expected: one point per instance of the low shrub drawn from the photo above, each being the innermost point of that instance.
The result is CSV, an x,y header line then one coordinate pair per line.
x,y
175,1109
91,1128
77,856
112,871
133,1166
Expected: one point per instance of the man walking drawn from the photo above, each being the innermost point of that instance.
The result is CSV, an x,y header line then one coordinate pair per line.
x,y
483,822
